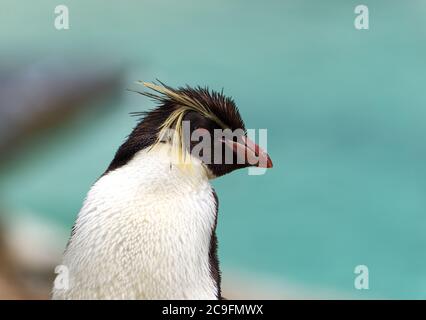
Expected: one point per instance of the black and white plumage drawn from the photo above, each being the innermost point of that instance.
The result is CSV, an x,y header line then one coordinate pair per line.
x,y
147,227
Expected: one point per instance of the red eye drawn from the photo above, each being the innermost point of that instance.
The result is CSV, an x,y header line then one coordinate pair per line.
x,y
202,131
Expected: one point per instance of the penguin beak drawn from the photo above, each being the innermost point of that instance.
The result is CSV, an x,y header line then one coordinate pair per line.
x,y
247,149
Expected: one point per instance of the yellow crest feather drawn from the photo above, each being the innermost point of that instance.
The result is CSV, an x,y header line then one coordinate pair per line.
x,y
174,121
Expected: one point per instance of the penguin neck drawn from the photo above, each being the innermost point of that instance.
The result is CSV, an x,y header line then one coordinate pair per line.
x,y
160,214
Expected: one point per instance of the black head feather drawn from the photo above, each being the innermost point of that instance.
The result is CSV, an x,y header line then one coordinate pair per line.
x,y
220,110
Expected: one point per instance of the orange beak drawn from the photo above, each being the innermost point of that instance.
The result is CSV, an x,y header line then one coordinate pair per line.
x,y
251,152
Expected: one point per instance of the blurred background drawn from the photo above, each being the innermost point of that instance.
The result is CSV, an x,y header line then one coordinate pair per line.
x,y
345,111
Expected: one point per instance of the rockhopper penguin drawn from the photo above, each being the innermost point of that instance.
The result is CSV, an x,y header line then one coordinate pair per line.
x,y
147,226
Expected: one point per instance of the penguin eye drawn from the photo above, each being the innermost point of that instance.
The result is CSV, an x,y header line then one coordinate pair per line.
x,y
202,131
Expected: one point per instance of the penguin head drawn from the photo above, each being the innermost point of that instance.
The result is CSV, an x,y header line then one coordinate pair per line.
x,y
196,123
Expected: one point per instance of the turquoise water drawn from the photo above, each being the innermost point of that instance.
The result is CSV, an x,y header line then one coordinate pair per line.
x,y
345,113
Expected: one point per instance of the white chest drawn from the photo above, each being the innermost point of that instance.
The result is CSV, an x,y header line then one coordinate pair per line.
x,y
144,233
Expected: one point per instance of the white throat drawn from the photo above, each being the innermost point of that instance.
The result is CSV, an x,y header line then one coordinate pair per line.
x,y
144,233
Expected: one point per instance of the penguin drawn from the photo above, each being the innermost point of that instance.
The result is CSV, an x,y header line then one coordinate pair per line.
x,y
147,228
